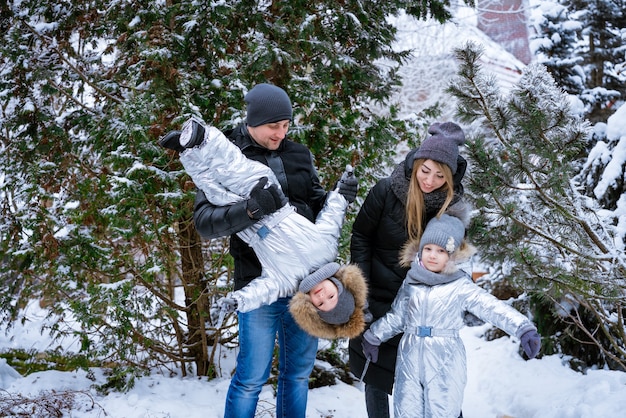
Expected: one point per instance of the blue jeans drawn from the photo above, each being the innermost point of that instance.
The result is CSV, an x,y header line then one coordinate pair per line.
x,y
296,349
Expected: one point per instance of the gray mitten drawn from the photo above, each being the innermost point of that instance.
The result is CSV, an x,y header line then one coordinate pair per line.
x,y
370,346
227,304
531,343
348,184
367,315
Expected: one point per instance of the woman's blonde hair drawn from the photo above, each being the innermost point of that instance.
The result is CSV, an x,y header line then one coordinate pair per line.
x,y
415,200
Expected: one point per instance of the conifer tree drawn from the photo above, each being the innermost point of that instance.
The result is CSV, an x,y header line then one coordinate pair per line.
x,y
555,47
533,224
577,42
581,43
97,218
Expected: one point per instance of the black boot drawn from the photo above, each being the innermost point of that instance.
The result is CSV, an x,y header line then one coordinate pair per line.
x,y
171,140
192,134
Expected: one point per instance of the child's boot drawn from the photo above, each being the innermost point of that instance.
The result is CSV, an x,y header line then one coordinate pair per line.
x,y
171,140
192,133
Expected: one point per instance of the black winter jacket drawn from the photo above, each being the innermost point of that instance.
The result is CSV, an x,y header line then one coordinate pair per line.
x,y
379,233
293,165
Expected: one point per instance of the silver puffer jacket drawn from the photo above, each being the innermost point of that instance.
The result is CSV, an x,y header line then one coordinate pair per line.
x,y
289,248
431,370
287,244
221,171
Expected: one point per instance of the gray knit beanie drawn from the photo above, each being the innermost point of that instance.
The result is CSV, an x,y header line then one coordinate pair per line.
x,y
446,232
322,273
342,312
443,144
267,103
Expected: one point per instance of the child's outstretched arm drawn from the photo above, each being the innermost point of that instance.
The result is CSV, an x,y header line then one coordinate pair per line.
x,y
500,314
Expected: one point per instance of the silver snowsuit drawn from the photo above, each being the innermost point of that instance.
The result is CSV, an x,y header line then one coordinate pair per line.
x,y
431,370
287,244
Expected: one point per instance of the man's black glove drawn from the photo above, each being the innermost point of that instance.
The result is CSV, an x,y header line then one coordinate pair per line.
x,y
264,201
348,184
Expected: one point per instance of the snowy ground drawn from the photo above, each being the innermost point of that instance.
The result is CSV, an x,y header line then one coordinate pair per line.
x,y
500,383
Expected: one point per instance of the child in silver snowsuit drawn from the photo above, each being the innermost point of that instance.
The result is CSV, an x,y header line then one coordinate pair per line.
x,y
287,244
431,370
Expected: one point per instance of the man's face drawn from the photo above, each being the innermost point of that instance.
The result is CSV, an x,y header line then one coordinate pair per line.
x,y
269,135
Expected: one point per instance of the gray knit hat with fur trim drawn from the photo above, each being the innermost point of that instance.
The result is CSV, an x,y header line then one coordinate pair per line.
x,y
443,144
267,103
446,232
342,312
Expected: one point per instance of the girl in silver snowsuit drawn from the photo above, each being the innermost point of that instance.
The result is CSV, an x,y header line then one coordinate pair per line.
x,y
431,370
287,244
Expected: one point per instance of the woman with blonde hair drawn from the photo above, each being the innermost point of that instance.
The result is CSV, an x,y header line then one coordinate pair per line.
x,y
425,185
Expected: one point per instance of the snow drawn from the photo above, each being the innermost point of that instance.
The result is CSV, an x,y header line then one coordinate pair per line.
x,y
616,124
500,383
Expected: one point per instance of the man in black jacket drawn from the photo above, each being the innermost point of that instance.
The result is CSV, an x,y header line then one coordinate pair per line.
x,y
262,138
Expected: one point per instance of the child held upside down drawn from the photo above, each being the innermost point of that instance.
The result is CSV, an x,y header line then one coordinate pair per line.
x,y
431,370
287,244
331,302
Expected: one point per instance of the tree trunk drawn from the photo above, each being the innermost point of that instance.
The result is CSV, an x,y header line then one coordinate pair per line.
x,y
194,285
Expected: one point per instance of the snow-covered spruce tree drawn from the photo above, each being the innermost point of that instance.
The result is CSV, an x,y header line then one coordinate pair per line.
x,y
554,45
603,30
603,175
562,43
97,218
583,45
533,225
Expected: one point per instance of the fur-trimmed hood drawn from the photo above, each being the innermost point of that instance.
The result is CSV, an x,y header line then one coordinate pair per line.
x,y
309,320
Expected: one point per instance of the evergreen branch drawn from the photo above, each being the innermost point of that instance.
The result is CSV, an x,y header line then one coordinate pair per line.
x,y
586,227
534,230
601,319
562,210
72,66
71,97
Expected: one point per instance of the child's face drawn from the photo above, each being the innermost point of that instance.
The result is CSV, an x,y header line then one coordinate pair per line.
x,y
434,258
324,295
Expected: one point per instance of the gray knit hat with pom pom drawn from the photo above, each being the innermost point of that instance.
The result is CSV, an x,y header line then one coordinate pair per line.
x,y
446,232
443,144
